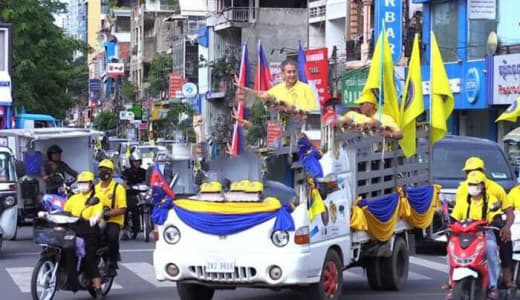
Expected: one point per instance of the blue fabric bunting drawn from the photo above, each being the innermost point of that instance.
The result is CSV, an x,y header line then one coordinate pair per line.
x,y
160,210
284,221
420,198
309,157
382,208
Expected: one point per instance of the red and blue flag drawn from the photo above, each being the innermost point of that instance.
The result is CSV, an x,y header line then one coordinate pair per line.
x,y
158,180
263,81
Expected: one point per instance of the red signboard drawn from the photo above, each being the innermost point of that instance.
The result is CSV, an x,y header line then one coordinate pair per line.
x,y
176,83
116,70
274,132
318,71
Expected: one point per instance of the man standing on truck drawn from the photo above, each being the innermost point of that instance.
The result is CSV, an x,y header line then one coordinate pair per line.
x,y
291,92
504,238
369,116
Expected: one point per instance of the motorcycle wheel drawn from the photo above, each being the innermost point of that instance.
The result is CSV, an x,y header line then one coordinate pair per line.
x,y
106,281
466,289
43,286
146,226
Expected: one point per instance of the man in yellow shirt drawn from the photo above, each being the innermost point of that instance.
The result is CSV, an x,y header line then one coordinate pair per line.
x,y
113,197
77,206
473,208
291,92
369,116
506,247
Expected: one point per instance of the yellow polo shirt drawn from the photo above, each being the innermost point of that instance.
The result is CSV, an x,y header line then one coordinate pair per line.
x,y
357,118
387,121
300,95
76,205
492,188
514,197
105,195
475,212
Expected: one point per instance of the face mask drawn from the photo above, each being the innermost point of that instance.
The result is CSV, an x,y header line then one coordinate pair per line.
x,y
474,190
84,187
105,175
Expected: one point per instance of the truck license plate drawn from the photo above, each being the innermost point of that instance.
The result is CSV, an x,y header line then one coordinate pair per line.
x,y
220,265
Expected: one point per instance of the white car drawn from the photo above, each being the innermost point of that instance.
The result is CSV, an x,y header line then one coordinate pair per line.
x,y
148,154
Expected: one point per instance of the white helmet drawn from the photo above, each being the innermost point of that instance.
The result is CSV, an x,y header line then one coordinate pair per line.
x,y
135,156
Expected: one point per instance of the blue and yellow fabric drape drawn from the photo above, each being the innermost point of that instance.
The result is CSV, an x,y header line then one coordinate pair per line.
x,y
381,216
423,202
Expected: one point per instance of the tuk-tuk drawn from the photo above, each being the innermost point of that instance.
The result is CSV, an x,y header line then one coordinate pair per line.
x,y
29,147
8,201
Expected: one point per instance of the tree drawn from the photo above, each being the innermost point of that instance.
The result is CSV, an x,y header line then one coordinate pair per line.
x,y
45,77
128,90
160,68
105,120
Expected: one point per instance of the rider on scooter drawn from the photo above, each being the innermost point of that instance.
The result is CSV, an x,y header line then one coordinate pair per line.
x,y
477,207
133,175
86,228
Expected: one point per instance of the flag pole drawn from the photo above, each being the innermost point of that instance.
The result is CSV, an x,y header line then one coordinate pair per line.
x,y
381,70
431,84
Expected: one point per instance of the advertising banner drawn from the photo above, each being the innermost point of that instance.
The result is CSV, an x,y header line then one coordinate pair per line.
x,y
318,71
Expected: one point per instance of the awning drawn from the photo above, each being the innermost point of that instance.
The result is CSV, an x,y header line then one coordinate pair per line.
x,y
512,136
5,89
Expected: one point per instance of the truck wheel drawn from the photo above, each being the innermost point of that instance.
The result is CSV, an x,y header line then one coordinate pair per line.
x,y
395,268
331,281
374,276
191,291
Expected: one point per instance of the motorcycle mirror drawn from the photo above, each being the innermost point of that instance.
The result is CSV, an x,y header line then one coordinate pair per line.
x,y
93,201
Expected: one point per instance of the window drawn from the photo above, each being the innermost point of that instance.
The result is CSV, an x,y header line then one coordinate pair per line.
x,y
7,172
478,32
444,22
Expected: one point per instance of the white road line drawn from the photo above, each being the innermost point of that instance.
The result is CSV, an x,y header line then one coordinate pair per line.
x,y
21,277
429,264
357,276
121,250
146,272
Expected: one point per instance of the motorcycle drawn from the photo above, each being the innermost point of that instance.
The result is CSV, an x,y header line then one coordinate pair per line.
x,y
53,232
144,206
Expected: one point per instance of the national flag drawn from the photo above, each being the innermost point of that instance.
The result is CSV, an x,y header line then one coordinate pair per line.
x,y
157,179
412,102
302,62
512,112
317,206
383,62
442,101
243,79
263,81
236,142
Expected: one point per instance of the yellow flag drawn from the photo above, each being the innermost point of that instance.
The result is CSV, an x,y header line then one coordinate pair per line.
x,y
512,112
441,96
412,102
127,154
317,206
390,105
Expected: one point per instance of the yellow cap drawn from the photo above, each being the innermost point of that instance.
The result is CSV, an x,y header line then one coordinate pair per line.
x,y
473,163
367,98
106,163
476,177
85,176
211,187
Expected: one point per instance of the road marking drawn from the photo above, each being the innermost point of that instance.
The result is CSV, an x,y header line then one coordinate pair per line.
x,y
21,277
357,276
417,276
121,250
429,264
146,272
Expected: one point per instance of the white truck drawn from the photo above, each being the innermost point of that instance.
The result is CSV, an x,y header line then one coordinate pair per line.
x,y
313,256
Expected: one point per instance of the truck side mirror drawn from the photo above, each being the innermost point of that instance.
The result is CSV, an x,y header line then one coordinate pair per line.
x,y
19,168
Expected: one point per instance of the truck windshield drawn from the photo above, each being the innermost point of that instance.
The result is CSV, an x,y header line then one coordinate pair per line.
x,y
448,161
7,172
147,152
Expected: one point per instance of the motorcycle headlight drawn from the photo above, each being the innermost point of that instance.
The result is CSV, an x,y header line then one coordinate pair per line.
x,y
9,201
171,235
280,238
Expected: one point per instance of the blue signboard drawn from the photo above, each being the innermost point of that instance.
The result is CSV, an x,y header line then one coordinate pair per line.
x,y
391,13
94,89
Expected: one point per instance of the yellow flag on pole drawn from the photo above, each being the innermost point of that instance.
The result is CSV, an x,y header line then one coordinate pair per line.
x,y
512,112
441,97
372,85
412,102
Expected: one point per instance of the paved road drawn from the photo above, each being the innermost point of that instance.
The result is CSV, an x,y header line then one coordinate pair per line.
x,y
136,278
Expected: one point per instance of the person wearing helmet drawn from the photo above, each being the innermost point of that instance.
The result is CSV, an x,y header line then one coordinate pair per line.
x,y
478,207
55,169
87,227
504,239
113,197
132,176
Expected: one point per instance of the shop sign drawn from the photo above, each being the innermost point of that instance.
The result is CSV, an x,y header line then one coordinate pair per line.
x,y
505,78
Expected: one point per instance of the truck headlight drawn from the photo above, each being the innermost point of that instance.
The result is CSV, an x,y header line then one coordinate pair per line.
x,y
171,235
280,238
9,201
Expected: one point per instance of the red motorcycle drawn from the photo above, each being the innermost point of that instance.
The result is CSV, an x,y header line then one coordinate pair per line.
x,y
467,259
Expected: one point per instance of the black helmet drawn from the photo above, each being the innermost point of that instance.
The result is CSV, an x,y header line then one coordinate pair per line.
x,y
53,149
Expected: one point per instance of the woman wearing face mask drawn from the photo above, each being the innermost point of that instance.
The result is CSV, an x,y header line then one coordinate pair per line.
x,y
477,207
87,228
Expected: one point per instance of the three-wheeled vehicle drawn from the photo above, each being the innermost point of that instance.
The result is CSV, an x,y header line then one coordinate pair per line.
x,y
8,208
29,148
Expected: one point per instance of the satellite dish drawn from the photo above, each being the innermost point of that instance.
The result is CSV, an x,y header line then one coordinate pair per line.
x,y
492,43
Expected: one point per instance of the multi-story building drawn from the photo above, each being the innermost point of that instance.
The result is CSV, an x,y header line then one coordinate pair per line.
x,y
76,20
327,24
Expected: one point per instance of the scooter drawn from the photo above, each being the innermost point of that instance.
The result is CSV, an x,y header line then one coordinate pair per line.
x,y
144,207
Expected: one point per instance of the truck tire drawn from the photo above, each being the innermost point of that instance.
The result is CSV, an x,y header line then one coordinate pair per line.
x,y
331,280
192,291
394,269
374,276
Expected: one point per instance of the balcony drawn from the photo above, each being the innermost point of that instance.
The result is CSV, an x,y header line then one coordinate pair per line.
x,y
235,17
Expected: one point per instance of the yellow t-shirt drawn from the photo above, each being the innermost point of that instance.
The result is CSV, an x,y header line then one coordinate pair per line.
x,y
475,212
386,121
105,195
76,205
357,118
492,188
300,95
514,197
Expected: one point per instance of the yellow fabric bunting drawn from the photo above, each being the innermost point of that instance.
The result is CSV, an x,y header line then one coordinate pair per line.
x,y
268,205
378,230
358,221
422,221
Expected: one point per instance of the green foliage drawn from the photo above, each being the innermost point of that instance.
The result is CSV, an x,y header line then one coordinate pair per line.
x,y
258,118
172,123
160,67
128,90
105,120
45,77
